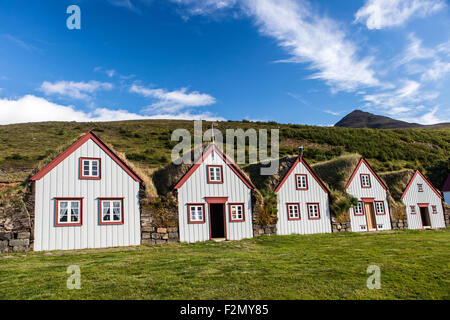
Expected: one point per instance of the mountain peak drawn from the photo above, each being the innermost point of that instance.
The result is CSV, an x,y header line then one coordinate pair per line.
x,y
362,119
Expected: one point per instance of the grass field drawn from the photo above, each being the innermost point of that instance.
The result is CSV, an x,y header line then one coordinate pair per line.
x,y
414,265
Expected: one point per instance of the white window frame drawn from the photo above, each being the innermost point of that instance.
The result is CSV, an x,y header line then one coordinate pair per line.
x,y
412,209
301,181
89,168
112,206
69,205
434,209
359,209
315,213
420,187
378,205
215,174
196,213
293,210
235,214
365,180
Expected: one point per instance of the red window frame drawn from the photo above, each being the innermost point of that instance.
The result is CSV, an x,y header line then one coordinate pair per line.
x,y
361,178
411,209
362,209
83,177
420,187
296,181
297,204
67,224
189,205
382,206
221,173
434,209
100,211
310,204
243,211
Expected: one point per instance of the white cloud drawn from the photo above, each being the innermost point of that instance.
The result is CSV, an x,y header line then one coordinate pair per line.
x,y
429,117
312,39
19,42
379,14
75,90
110,73
205,7
30,108
173,101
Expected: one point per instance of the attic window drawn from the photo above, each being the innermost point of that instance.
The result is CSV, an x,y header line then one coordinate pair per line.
x,y
420,187
68,211
313,211
365,181
214,174
293,210
380,207
90,168
301,181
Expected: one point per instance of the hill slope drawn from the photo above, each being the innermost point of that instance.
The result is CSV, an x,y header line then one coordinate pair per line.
x,y
147,144
361,119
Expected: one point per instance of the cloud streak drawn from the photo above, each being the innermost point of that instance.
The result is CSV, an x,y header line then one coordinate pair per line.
x,y
72,89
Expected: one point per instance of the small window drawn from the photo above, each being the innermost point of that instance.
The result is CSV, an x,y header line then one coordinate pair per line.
x,y
420,187
359,209
413,209
363,227
293,211
313,211
365,180
380,226
237,212
379,207
68,211
90,168
111,210
302,181
196,213
434,209
215,174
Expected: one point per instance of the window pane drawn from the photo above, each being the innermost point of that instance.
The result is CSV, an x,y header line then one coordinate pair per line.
x,y
116,211
63,211
218,177
106,211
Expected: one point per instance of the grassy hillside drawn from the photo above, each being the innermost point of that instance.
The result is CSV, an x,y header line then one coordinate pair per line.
x,y
320,266
147,144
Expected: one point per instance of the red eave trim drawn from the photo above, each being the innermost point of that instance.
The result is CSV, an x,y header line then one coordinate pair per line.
x,y
370,169
75,146
310,170
228,161
425,179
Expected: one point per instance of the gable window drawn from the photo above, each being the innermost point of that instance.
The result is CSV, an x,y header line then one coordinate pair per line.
x,y
379,205
236,212
434,209
413,209
110,210
68,211
90,168
301,181
293,210
196,213
214,174
359,209
313,211
420,187
365,181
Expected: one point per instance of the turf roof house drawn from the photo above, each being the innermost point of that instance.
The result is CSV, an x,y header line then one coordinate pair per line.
x,y
423,203
303,203
87,197
372,211
214,199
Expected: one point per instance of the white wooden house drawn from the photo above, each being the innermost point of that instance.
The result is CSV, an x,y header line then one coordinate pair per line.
x,y
87,197
214,199
303,204
423,203
372,211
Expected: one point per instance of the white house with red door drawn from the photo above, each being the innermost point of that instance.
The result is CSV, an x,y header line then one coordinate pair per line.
x,y
372,211
303,201
423,203
87,197
214,199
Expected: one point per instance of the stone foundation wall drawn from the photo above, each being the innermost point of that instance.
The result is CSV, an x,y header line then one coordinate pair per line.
x,y
340,226
268,230
399,224
160,235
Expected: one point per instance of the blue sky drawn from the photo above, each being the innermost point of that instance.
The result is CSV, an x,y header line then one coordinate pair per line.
x,y
291,61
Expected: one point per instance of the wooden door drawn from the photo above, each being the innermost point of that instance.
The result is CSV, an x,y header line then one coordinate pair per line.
x,y
370,216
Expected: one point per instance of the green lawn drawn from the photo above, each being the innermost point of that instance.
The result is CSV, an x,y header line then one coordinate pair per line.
x,y
414,265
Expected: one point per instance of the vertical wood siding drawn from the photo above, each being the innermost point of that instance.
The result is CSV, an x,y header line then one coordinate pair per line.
x,y
375,191
63,181
289,193
413,197
196,188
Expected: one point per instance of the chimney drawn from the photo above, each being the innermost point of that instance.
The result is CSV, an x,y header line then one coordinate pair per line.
x,y
300,151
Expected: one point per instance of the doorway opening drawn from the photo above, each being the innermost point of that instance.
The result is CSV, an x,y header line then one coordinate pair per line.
x,y
424,214
217,219
370,216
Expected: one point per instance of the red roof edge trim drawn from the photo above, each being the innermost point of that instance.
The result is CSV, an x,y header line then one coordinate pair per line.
x,y
362,160
77,144
425,179
228,161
